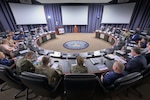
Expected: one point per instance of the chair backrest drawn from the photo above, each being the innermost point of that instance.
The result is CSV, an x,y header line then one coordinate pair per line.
x,y
122,83
80,86
39,84
146,72
7,76
127,81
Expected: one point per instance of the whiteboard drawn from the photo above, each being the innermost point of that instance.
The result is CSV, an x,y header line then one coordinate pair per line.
x,y
28,13
118,13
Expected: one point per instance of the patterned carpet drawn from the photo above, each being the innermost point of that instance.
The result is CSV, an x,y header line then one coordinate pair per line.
x,y
76,45
61,43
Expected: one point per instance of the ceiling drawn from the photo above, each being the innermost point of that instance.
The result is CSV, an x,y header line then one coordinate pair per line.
x,y
73,1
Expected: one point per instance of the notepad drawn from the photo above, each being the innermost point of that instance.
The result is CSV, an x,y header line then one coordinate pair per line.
x,y
101,67
55,65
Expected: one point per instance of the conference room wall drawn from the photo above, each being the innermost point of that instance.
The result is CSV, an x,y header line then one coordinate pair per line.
x,y
140,17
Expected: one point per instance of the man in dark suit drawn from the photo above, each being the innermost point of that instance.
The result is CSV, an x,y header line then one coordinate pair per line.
x,y
147,54
138,31
137,63
135,37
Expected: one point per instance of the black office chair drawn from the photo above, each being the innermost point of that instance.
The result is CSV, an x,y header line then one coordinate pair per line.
x,y
3,84
39,84
146,72
1,81
80,86
123,83
12,80
146,77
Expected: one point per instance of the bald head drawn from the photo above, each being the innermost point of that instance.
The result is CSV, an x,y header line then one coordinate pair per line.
x,y
118,67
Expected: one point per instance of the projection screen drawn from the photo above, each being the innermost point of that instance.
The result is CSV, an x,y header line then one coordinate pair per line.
x,y
28,13
74,15
117,13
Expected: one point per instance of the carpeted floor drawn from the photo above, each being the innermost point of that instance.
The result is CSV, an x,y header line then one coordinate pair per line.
x,y
8,94
94,43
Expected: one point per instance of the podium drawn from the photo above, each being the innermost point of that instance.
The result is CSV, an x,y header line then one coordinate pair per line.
x,y
75,29
59,30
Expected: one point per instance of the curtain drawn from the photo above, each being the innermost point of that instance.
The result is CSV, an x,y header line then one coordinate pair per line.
x,y
6,17
94,17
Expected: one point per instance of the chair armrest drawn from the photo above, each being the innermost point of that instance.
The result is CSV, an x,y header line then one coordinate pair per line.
x,y
102,86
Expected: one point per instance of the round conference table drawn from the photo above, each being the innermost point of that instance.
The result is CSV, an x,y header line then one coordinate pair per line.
x,y
93,60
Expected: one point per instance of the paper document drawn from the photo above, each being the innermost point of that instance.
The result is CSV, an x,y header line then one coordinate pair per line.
x,y
101,67
55,65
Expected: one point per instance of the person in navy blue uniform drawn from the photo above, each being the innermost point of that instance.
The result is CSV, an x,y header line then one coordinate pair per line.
x,y
137,63
21,36
117,72
142,43
138,31
135,37
5,61
147,54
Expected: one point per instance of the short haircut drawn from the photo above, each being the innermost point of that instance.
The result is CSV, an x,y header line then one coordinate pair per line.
x,y
30,53
45,60
80,60
137,50
120,66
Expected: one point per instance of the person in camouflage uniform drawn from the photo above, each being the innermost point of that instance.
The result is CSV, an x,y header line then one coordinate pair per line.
x,y
25,63
79,68
45,69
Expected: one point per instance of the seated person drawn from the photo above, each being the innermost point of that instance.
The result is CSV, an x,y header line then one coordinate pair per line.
x,y
14,37
6,49
126,33
46,28
138,31
117,72
135,37
102,28
25,63
21,37
44,68
113,30
40,30
137,63
11,42
117,31
79,68
5,61
6,46
147,54
142,43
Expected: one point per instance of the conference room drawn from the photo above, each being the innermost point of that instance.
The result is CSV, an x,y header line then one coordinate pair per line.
x,y
74,50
